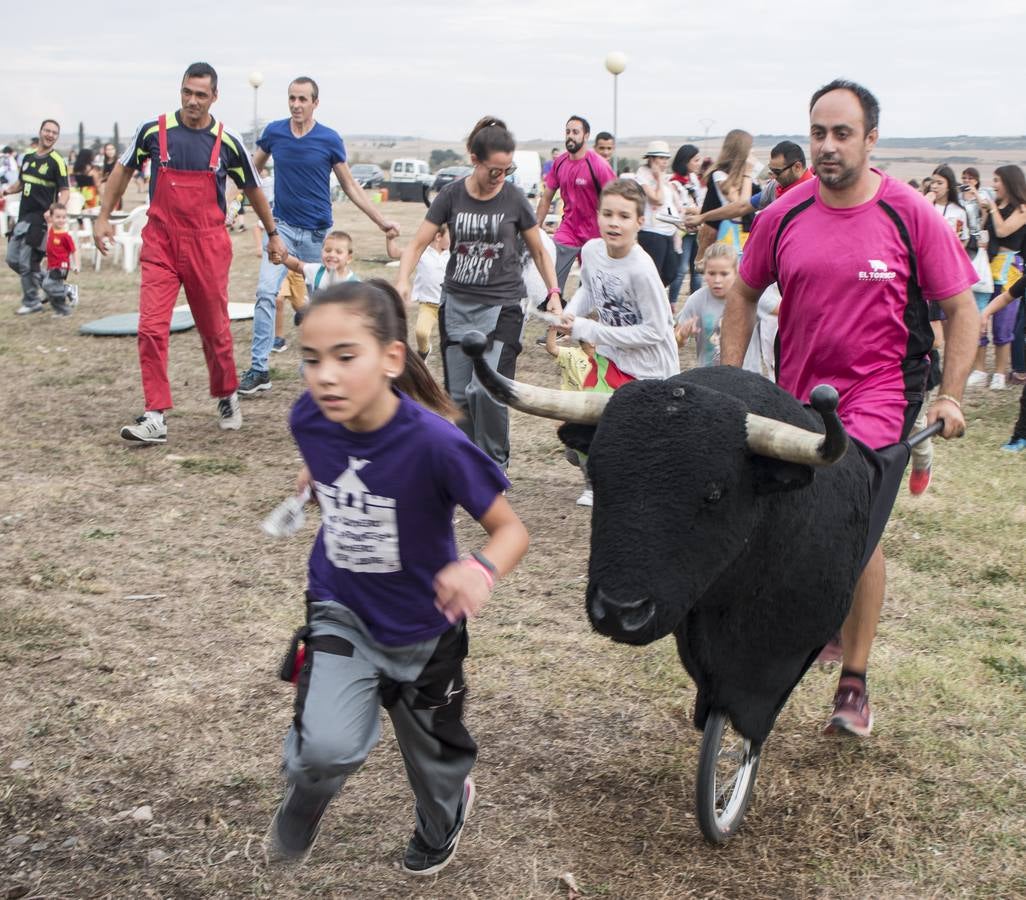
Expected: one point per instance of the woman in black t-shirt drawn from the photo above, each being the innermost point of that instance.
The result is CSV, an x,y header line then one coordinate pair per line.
x,y
1006,224
483,285
83,178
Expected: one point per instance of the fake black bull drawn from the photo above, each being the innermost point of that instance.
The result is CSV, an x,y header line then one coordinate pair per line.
x,y
726,514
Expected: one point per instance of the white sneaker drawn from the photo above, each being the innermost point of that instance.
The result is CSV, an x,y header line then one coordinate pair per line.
x,y
976,379
229,413
586,498
27,309
72,295
997,382
149,428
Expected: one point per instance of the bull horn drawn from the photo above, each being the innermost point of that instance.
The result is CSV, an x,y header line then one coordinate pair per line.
x,y
582,407
778,440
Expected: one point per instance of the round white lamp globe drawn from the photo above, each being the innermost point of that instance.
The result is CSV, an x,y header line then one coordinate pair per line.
x,y
256,79
616,62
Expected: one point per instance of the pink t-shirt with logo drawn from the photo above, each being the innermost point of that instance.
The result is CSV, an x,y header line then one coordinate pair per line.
x,y
576,181
851,314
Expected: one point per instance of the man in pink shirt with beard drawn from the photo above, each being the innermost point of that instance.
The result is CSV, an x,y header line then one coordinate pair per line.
x,y
858,257
579,175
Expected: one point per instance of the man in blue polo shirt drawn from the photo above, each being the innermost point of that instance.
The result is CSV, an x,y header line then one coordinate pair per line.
x,y
305,154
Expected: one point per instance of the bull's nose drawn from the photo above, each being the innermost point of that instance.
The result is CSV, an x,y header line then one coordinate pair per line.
x,y
627,617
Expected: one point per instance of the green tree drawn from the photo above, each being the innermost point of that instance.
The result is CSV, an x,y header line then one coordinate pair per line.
x,y
441,158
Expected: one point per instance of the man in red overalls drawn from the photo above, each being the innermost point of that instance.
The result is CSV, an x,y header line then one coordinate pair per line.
x,y
185,243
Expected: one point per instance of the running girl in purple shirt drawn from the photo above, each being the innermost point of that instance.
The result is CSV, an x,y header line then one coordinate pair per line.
x,y
388,596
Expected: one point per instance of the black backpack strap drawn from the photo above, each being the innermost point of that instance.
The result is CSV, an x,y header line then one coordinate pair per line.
x,y
594,178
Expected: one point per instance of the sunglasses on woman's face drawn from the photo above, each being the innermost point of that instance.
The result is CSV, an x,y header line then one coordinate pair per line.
x,y
500,173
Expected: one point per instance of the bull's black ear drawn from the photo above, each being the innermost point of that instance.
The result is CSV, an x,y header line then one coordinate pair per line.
x,y
773,476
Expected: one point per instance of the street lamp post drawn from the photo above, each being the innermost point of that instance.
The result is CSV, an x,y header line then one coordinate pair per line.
x,y
616,62
707,124
255,80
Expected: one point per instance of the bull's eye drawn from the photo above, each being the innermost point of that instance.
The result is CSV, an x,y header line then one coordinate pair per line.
x,y
713,493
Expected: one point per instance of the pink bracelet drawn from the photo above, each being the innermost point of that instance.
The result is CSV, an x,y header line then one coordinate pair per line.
x,y
474,564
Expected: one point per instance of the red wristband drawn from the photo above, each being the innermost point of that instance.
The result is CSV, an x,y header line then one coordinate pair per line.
x,y
552,291
474,564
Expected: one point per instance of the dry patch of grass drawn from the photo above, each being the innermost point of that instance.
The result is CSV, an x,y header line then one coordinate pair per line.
x,y
587,753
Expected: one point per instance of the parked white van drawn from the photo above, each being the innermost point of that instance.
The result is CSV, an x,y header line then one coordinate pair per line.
x,y
411,170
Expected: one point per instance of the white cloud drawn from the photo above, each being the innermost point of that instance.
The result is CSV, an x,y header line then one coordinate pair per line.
x,y
409,68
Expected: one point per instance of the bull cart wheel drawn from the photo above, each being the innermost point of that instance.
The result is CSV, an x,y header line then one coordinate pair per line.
x,y
727,767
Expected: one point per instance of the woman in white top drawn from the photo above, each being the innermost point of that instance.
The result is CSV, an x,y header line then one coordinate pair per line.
x,y
656,235
944,195
690,194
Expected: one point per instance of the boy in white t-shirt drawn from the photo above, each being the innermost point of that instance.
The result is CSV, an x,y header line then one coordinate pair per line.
x,y
334,267
633,329
427,284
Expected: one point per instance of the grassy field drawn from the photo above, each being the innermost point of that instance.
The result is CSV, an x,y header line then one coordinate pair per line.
x,y
111,703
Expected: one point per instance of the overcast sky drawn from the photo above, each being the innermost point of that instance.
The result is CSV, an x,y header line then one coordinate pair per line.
x,y
406,67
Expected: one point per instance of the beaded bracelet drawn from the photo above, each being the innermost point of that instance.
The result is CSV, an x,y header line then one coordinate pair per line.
x,y
949,398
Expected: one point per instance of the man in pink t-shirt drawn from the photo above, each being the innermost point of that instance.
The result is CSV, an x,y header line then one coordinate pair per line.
x,y
858,257
578,175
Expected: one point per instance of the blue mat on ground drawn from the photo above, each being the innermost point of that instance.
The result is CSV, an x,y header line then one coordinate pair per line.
x,y
181,320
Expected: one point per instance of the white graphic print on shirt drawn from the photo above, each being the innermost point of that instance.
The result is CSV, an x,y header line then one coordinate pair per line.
x,y
477,246
615,299
360,531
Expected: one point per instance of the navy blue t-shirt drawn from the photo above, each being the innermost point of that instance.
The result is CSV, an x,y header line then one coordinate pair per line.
x,y
189,149
387,499
302,172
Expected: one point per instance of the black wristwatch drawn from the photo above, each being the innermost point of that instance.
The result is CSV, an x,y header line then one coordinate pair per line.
x,y
273,233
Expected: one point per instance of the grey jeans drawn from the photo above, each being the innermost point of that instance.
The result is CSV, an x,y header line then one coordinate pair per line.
x,y
485,421
347,675
565,257
24,255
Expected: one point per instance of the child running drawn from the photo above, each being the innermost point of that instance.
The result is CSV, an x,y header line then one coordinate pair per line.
x,y
633,335
388,597
61,258
427,284
334,268
701,314
574,365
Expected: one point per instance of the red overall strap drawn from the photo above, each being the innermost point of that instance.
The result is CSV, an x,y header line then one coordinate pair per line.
x,y
162,138
215,154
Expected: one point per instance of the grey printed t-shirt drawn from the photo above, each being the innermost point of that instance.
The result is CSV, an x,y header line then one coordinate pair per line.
x,y
484,265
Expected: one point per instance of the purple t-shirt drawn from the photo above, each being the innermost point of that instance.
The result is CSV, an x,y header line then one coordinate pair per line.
x,y
579,182
853,313
387,499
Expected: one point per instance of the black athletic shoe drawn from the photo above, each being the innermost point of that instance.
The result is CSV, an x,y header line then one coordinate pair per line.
x,y
254,381
293,830
420,859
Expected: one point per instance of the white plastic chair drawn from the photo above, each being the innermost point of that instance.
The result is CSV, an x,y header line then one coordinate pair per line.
x,y
75,204
128,237
9,214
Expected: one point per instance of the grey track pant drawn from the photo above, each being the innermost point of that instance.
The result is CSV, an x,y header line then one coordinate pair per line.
x,y
485,421
565,257
347,675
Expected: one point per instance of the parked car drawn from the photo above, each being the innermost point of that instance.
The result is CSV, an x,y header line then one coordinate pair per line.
x,y
368,175
450,174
